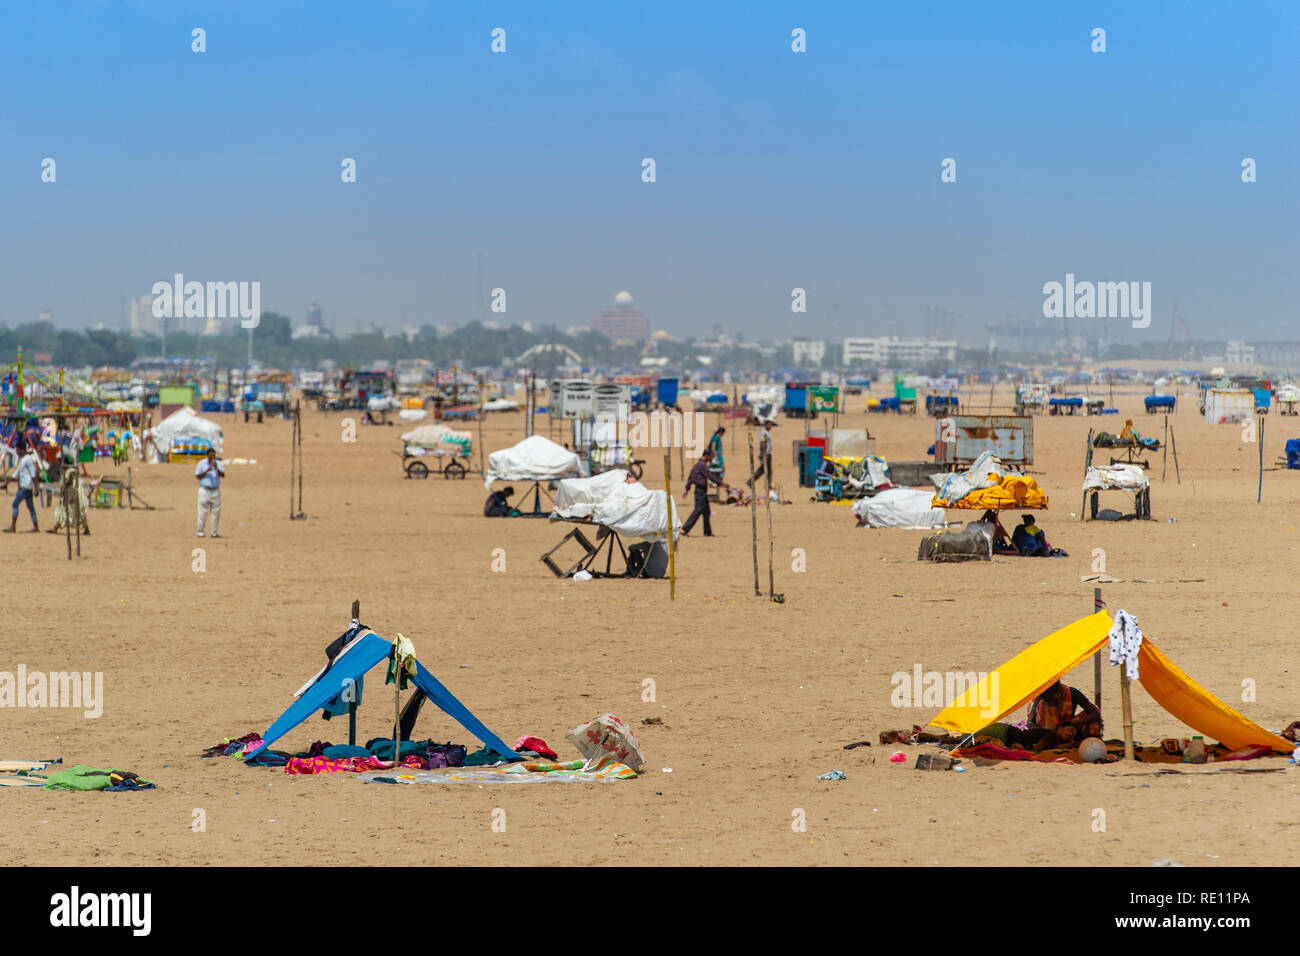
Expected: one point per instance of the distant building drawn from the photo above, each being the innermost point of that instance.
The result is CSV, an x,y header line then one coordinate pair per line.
x,y
315,318
1239,352
892,351
143,321
622,323
809,352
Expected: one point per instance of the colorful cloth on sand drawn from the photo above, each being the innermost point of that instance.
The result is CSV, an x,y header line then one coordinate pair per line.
x,y
527,772
313,765
82,777
537,745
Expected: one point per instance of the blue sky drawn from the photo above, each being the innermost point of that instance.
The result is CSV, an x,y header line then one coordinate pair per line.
x,y
774,169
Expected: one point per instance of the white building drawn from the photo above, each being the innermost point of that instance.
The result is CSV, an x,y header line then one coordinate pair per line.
x,y
809,351
1239,353
143,321
894,351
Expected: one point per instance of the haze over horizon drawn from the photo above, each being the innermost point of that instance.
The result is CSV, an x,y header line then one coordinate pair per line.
x,y
774,169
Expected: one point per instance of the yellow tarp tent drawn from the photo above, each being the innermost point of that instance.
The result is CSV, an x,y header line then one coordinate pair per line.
x,y
1014,492
1029,673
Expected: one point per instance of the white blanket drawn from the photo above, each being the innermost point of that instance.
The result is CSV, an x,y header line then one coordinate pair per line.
x,y
534,459
633,510
577,497
899,508
1124,477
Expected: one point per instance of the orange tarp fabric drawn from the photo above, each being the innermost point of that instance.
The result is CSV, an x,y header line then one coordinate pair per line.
x,y
1014,492
1028,674
1025,676
1197,707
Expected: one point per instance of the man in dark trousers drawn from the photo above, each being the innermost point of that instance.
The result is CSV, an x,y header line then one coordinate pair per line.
x,y
699,478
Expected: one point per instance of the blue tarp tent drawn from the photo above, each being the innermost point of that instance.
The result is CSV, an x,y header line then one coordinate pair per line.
x,y
348,669
1293,452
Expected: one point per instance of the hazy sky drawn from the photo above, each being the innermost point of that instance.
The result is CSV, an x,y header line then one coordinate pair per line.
x,y
775,169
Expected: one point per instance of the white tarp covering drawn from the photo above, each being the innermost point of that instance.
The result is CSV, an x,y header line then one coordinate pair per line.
x,y
1125,477
501,405
182,423
1228,405
412,415
634,511
577,497
957,485
899,508
534,459
426,435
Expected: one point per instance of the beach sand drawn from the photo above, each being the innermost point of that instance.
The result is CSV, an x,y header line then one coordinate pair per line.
x,y
755,699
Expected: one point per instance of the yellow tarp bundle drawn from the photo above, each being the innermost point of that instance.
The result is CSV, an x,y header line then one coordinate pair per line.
x,y
1014,492
1029,673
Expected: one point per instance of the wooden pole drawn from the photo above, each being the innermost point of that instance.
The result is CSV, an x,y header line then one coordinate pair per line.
x,y
1173,442
1259,494
1164,457
753,513
480,423
297,416
76,495
67,525
1097,605
352,704
672,548
1126,702
293,456
771,573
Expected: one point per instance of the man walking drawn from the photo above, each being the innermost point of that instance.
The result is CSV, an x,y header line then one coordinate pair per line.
x,y
699,478
209,472
27,471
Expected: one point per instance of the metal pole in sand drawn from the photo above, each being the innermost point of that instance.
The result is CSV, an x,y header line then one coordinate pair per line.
x,y
672,550
297,414
753,512
1173,442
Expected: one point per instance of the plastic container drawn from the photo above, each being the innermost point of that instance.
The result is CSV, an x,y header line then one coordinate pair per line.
x,y
1195,752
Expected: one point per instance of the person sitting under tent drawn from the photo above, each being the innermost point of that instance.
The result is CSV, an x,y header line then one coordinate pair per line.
x,y
498,505
1001,540
1066,711
1029,539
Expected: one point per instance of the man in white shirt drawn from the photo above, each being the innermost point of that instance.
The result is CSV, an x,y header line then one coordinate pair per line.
x,y
209,472
27,473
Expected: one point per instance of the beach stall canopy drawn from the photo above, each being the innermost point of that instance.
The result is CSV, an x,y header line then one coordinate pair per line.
x,y
987,485
1033,670
363,650
536,458
182,423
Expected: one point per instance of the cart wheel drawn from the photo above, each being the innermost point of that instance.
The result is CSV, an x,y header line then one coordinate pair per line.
x,y
417,469
634,469
453,469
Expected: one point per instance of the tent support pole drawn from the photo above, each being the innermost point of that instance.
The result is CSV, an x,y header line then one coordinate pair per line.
x,y
1173,441
352,705
1097,605
1126,701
